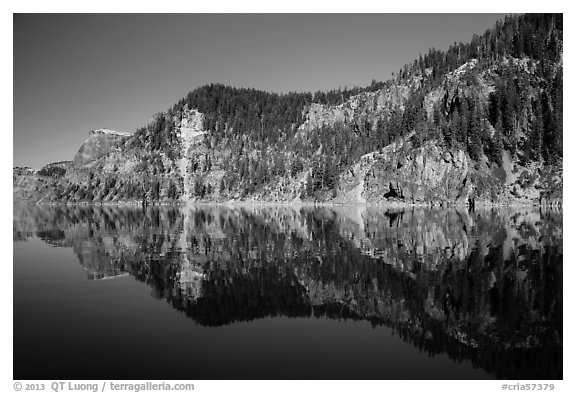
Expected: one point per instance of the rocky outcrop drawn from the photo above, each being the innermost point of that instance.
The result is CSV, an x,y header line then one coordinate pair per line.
x,y
402,173
25,185
100,142
368,107
190,131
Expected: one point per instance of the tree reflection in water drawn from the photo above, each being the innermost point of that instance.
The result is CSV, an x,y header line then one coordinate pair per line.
x,y
484,286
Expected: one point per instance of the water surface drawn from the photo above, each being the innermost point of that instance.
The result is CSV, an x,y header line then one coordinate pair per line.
x,y
286,293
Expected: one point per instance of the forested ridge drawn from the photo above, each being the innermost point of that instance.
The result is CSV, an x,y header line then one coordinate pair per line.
x,y
499,94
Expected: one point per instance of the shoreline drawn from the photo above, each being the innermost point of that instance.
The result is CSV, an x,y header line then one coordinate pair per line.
x,y
235,203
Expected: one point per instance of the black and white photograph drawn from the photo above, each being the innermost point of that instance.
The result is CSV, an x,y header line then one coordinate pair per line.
x,y
287,196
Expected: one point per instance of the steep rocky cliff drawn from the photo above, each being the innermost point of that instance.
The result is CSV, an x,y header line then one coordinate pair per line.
x,y
99,143
190,133
399,172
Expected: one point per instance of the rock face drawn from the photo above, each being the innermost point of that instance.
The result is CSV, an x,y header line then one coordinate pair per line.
x,y
25,185
190,131
368,106
99,143
400,172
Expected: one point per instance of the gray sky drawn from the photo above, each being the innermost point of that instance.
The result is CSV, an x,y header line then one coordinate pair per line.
x,y
74,73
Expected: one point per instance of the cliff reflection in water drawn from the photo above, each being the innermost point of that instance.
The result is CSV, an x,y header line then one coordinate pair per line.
x,y
484,286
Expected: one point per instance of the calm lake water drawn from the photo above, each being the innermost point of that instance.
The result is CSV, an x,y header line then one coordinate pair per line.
x,y
286,293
